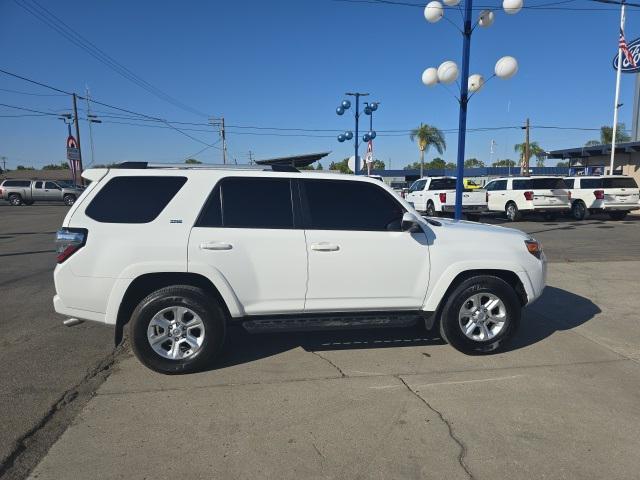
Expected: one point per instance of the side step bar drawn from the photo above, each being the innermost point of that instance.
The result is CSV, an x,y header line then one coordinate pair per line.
x,y
337,321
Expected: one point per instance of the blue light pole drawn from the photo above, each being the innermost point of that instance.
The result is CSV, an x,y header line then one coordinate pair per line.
x,y
447,72
345,105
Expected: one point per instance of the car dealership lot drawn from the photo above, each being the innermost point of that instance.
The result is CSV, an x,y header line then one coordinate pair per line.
x,y
561,403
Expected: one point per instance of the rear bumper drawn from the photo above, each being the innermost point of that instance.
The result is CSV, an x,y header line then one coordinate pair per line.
x,y
465,208
627,207
549,208
62,309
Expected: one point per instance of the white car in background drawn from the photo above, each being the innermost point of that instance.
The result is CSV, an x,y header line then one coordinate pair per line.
x,y
434,196
616,195
517,196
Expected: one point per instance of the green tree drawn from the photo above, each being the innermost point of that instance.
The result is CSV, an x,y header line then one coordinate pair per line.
x,y
450,165
473,163
377,165
507,162
437,163
562,164
606,134
22,167
535,150
428,136
319,166
192,161
55,166
341,166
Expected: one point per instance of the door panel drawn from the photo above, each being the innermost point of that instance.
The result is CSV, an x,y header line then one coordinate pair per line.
x,y
367,270
266,268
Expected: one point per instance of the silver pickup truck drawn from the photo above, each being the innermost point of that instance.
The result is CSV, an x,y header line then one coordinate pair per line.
x,y
26,192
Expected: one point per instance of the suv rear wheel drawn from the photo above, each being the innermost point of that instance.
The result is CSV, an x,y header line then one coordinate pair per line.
x,y
579,210
177,329
15,200
512,212
480,315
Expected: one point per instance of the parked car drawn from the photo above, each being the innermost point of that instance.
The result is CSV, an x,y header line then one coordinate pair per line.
x,y
434,196
26,192
178,254
518,196
616,195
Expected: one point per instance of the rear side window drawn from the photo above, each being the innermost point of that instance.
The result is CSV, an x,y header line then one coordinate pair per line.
x,y
547,183
569,182
443,184
38,185
522,185
620,182
16,183
133,199
251,202
590,183
348,205
499,185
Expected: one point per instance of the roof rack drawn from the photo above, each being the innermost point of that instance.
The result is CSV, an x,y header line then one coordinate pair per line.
x,y
203,166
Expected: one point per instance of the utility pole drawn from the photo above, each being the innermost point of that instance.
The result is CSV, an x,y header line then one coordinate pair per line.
x,y
89,118
4,163
250,157
75,119
524,165
219,122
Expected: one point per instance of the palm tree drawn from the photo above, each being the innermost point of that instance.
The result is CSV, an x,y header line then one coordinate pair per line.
x,y
427,136
606,135
535,150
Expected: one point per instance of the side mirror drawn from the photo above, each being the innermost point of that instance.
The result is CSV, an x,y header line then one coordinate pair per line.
x,y
410,223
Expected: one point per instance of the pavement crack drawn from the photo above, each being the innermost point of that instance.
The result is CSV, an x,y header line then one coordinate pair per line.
x,y
458,441
342,374
11,464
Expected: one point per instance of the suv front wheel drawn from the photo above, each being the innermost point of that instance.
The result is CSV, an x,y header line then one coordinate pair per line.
x,y
480,315
177,329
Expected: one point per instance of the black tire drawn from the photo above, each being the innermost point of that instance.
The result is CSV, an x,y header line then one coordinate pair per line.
x,y
618,215
550,216
195,299
512,212
15,200
30,202
579,210
473,217
69,199
450,328
431,209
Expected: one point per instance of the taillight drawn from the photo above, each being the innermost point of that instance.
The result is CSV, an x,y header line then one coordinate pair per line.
x,y
569,194
69,241
443,198
528,195
599,194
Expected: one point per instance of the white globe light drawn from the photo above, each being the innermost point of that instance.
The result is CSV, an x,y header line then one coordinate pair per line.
x,y
433,12
512,7
430,77
448,72
486,18
451,3
476,81
506,67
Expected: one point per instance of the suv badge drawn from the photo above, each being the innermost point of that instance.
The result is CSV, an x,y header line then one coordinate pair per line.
x,y
175,221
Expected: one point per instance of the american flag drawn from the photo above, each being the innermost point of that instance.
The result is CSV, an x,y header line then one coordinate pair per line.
x,y
622,45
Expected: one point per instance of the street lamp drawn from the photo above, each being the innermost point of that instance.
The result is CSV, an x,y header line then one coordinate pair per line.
x,y
506,67
348,135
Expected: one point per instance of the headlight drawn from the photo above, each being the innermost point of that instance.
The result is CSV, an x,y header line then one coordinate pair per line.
x,y
534,247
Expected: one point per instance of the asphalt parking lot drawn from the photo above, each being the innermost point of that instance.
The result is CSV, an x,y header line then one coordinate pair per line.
x,y
561,402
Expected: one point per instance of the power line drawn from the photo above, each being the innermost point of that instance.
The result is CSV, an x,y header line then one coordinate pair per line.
x,y
54,22
541,7
29,110
34,82
33,94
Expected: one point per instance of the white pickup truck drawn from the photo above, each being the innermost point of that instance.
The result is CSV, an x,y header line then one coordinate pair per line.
x,y
436,195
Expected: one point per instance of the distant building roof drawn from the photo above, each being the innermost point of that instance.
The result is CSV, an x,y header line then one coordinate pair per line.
x,y
596,150
294,160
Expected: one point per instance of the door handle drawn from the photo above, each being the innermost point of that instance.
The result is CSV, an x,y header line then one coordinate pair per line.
x,y
215,246
325,247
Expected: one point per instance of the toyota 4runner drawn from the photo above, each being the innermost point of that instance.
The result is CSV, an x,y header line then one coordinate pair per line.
x,y
177,254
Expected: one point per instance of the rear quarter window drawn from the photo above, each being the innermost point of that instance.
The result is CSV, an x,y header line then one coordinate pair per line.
x,y
522,185
590,183
133,199
569,182
548,183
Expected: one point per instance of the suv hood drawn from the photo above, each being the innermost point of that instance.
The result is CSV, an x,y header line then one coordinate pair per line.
x,y
476,231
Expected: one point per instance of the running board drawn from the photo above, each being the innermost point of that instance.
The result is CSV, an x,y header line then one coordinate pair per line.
x,y
336,321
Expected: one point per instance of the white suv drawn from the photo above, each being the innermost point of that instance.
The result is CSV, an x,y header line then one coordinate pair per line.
x,y
179,254
616,195
516,196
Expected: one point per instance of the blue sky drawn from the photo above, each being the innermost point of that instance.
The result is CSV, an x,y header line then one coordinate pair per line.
x,y
288,63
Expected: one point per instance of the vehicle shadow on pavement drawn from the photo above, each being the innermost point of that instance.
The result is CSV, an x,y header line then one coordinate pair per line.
x,y
556,310
244,347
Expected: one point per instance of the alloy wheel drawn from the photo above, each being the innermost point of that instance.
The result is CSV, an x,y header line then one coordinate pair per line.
x,y
482,316
176,333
